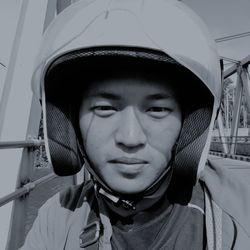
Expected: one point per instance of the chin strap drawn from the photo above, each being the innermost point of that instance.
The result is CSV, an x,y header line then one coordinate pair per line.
x,y
130,202
129,205
125,203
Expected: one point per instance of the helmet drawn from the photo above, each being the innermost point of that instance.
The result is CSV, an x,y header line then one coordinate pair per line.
x,y
164,31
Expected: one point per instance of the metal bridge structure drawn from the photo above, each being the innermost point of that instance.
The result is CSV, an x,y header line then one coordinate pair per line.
x,y
229,118
26,173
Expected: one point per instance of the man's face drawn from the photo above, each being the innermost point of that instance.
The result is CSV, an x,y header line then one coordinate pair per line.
x,y
129,126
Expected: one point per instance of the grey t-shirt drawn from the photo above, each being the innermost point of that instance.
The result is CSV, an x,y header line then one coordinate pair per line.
x,y
165,226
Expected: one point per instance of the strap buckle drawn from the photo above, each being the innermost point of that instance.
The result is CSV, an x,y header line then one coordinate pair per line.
x,y
90,234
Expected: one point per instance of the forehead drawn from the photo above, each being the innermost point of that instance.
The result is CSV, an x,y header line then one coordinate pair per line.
x,y
132,81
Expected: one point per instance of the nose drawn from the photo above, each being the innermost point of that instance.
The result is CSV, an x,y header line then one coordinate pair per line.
x,y
130,133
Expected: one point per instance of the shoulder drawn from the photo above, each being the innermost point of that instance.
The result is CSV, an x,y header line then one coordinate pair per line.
x,y
59,216
73,197
227,183
67,204
226,170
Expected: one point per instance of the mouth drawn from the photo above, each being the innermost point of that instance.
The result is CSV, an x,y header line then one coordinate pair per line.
x,y
128,161
129,167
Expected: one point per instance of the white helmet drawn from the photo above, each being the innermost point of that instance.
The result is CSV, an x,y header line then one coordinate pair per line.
x,y
163,31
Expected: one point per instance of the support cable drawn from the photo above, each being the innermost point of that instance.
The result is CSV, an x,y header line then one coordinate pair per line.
x,y
232,37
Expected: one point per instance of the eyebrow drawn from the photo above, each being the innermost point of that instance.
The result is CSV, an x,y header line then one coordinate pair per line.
x,y
106,95
158,96
115,97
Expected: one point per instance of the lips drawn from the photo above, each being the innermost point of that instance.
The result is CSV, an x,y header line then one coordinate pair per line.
x,y
128,161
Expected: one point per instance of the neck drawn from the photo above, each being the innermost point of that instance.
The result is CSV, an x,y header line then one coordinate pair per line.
x,y
141,217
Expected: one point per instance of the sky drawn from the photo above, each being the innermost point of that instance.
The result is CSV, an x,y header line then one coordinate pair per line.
x,y
223,17
8,20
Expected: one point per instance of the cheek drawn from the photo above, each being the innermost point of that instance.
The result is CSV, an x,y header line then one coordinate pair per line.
x,y
96,136
163,137
87,128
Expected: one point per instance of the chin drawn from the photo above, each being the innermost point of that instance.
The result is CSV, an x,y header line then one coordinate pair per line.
x,y
128,188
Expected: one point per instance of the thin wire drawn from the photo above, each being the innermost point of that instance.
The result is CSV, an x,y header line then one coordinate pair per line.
x,y
2,65
228,63
231,37
229,59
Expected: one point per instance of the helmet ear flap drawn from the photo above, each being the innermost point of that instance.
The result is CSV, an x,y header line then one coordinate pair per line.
x,y
188,153
65,154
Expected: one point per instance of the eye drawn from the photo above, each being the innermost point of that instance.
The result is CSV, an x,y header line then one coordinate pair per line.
x,y
158,112
104,110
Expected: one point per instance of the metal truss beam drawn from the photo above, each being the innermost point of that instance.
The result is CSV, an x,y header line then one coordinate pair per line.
x,y
221,134
246,85
236,111
244,63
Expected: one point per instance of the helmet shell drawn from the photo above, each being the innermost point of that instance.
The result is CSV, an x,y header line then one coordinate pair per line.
x,y
166,26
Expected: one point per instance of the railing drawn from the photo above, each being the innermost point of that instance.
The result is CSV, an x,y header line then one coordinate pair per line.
x,y
240,143
21,144
232,139
26,189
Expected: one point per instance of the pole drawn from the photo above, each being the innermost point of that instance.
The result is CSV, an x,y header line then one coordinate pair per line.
x,y
236,111
246,85
222,134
